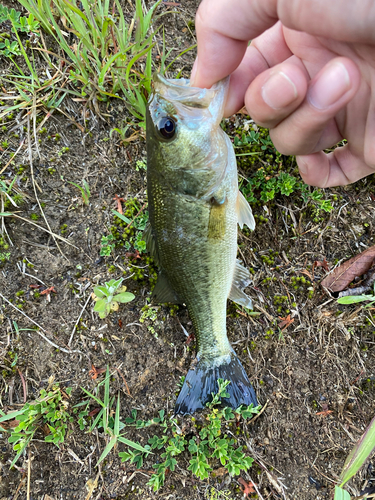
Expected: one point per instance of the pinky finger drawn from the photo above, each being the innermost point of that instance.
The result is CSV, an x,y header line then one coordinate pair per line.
x,y
339,168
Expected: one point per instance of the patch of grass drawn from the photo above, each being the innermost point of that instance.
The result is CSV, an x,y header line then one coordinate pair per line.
x,y
271,180
50,410
109,296
112,427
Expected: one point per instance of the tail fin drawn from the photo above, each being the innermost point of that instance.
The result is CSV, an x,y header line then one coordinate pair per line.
x,y
201,382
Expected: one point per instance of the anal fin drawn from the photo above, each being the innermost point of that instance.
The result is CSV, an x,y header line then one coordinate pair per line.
x,y
241,279
244,213
163,292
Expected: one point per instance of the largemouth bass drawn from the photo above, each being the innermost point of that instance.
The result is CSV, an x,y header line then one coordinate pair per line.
x,y
194,208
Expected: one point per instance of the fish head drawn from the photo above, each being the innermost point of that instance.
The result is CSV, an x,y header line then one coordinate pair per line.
x,y
185,143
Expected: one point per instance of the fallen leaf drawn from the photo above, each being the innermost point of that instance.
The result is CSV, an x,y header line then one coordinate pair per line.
x,y
324,413
248,488
94,372
323,264
343,275
49,290
285,322
221,471
94,412
10,424
118,200
132,255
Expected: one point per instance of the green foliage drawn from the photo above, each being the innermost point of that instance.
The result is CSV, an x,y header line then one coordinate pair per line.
x,y
355,299
85,191
133,222
107,245
206,446
19,23
264,187
107,298
106,48
50,409
104,420
362,450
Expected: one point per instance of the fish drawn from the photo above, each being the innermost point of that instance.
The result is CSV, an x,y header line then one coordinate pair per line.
x,y
194,209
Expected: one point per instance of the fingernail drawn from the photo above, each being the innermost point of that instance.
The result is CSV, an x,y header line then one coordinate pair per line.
x,y
302,165
279,91
331,85
194,72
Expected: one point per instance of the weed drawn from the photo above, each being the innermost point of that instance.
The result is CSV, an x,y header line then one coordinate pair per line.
x,y
150,315
109,296
355,299
85,192
265,188
20,23
107,245
206,446
134,222
362,450
49,409
111,426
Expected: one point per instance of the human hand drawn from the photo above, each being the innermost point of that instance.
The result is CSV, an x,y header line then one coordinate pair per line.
x,y
309,77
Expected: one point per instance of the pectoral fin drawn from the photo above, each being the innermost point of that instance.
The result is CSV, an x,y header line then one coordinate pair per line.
x,y
150,243
241,280
163,292
244,213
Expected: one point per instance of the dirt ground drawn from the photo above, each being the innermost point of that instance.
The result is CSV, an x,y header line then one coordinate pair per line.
x,y
315,376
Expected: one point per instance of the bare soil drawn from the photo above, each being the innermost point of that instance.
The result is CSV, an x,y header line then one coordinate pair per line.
x,y
316,376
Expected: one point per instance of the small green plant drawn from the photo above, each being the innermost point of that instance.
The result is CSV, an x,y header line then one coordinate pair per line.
x,y
20,23
112,427
107,245
355,299
85,191
265,188
134,226
109,296
208,444
49,409
361,452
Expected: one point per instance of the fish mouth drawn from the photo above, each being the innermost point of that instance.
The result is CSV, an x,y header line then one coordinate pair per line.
x,y
181,91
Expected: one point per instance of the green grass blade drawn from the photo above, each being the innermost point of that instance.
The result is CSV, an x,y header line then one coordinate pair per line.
x,y
109,63
354,299
359,454
92,395
121,216
12,414
116,429
136,446
341,494
107,449
97,420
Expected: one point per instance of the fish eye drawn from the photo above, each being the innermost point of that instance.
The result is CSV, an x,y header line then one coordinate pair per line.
x,y
167,127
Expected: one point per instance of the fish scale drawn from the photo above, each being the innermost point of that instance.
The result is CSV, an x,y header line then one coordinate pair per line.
x,y
194,208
